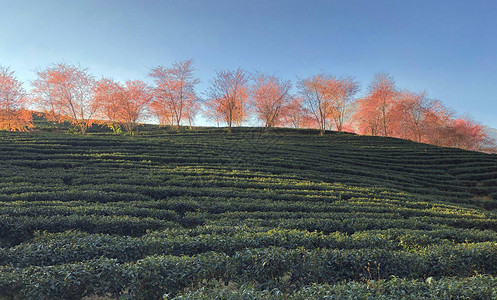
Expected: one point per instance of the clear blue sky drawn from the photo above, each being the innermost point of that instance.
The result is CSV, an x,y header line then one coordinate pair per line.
x,y
448,48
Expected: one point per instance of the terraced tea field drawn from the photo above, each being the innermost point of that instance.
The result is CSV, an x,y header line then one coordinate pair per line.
x,y
205,213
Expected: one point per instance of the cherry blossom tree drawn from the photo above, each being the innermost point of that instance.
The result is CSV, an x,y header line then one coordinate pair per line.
x,y
133,105
108,98
408,115
297,116
329,99
64,90
270,96
316,99
175,100
373,109
13,116
342,92
228,96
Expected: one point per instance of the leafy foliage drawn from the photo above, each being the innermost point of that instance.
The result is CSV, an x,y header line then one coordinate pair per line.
x,y
201,213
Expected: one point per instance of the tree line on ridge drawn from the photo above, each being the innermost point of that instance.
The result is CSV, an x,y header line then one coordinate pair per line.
x,y
65,92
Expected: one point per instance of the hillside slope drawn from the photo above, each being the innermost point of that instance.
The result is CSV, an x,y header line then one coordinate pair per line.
x,y
166,212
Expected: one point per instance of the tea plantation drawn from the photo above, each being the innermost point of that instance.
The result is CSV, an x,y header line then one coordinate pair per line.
x,y
211,214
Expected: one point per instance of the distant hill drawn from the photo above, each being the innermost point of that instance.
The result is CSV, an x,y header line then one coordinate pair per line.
x,y
491,132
